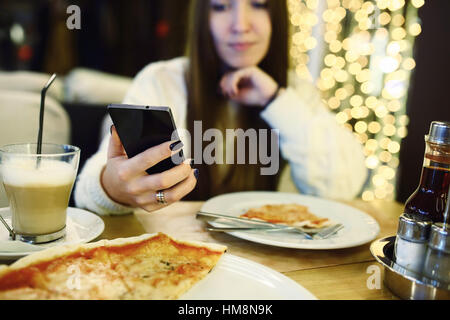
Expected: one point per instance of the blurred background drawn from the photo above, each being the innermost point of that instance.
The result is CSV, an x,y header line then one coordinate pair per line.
x,y
382,66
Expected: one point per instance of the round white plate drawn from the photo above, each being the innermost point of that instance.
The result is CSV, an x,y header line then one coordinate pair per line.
x,y
81,226
359,227
256,282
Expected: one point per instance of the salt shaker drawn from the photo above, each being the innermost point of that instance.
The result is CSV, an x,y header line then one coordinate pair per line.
x,y
411,242
437,259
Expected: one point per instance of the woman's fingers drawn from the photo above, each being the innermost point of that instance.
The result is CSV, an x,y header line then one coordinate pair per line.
x,y
136,165
177,192
250,86
233,81
115,148
161,181
230,81
149,202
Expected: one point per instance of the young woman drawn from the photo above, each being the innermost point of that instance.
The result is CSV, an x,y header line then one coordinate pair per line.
x,y
235,76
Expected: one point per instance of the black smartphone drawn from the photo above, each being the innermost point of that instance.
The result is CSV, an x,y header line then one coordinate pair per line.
x,y
143,127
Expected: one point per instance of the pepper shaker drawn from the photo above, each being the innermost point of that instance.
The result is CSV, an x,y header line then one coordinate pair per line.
x,y
437,260
411,242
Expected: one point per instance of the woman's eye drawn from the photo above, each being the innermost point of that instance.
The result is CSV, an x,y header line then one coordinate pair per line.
x,y
219,6
260,4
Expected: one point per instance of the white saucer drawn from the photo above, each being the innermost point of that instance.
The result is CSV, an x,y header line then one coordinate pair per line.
x,y
81,226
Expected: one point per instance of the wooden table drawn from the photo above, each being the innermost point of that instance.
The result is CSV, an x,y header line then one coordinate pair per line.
x,y
329,274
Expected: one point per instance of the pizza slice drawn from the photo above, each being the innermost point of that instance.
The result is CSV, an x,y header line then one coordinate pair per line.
x,y
287,214
145,267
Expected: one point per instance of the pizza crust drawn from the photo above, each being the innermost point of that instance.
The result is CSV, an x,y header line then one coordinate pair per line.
x,y
58,251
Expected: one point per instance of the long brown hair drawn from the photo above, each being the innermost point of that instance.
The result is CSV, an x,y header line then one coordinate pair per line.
x,y
205,103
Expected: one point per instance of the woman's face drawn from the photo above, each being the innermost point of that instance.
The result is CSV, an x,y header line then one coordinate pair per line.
x,y
241,31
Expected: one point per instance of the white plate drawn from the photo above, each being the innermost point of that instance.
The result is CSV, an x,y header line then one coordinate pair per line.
x,y
235,278
359,227
81,226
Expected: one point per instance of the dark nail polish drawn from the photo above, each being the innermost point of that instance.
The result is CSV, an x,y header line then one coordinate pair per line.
x,y
110,129
176,145
196,172
192,163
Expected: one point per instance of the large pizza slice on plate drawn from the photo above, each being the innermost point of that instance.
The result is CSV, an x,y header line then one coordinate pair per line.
x,y
145,267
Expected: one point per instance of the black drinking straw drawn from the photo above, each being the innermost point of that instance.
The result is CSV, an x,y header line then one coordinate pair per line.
x,y
41,116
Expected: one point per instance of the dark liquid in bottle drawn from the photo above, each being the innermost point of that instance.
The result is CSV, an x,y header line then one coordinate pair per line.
x,y
431,196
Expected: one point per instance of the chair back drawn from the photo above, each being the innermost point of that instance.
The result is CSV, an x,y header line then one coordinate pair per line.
x,y
32,82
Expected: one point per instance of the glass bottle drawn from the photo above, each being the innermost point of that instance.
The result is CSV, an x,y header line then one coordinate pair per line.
x,y
430,198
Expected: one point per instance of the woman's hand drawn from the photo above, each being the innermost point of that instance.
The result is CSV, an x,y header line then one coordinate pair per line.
x,y
250,86
126,182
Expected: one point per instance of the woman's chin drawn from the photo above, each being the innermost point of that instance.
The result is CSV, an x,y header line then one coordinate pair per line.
x,y
242,63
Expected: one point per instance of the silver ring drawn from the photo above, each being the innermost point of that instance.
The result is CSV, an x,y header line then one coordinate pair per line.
x,y
160,198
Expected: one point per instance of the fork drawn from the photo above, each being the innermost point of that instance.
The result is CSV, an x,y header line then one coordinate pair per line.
x,y
322,234
328,232
263,225
256,224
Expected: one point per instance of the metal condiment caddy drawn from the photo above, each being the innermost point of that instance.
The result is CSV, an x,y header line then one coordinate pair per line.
x,y
402,282
417,260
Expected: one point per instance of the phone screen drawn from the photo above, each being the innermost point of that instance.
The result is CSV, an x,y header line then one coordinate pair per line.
x,y
143,127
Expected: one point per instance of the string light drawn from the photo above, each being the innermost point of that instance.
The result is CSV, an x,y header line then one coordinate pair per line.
x,y
364,78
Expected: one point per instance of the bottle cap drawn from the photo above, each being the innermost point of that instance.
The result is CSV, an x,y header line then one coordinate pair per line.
x,y
439,132
414,229
440,237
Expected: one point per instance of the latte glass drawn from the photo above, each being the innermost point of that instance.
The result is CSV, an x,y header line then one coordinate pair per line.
x,y
38,187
